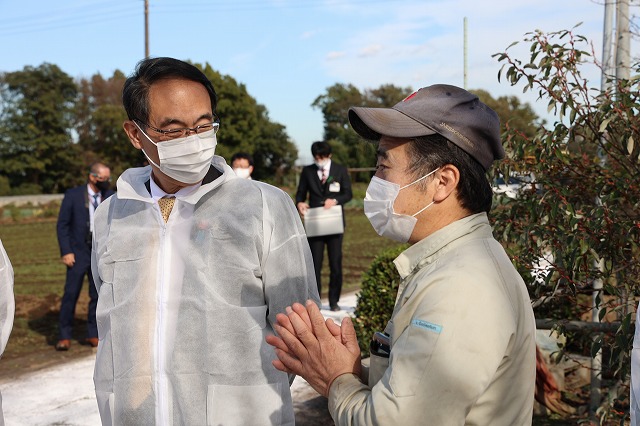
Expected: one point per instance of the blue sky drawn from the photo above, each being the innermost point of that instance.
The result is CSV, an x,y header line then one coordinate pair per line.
x,y
287,52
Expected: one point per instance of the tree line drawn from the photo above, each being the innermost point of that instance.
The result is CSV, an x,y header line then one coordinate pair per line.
x,y
52,127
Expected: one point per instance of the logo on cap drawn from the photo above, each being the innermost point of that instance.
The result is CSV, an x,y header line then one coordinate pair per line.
x,y
410,96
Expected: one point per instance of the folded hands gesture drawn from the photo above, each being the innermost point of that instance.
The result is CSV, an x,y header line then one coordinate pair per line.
x,y
313,348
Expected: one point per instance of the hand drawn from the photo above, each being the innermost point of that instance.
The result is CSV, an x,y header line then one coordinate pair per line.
x,y
312,348
302,207
69,259
330,202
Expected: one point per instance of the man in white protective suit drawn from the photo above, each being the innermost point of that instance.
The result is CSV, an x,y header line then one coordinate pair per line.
x,y
7,306
192,264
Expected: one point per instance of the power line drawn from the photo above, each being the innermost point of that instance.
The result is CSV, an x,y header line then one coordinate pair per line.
x,y
256,5
77,17
70,17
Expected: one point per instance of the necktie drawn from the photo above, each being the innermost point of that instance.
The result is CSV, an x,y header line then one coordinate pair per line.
x,y
95,201
166,204
324,175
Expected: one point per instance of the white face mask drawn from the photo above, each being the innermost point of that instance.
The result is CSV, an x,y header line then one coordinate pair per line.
x,y
186,159
242,172
322,163
378,207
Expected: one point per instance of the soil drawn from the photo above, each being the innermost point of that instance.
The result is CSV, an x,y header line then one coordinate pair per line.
x,y
36,351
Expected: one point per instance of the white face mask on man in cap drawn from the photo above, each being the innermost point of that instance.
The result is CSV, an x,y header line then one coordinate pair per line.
x,y
378,207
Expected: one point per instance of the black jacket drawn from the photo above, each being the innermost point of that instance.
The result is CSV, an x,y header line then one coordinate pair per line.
x,y
337,186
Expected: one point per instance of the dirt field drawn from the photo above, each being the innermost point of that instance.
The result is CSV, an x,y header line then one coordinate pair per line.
x,y
36,350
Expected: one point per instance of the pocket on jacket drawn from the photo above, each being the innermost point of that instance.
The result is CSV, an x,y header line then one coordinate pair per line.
x,y
244,405
410,359
122,248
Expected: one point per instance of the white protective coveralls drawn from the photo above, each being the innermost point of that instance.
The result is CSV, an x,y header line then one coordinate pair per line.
x,y
634,402
7,306
184,307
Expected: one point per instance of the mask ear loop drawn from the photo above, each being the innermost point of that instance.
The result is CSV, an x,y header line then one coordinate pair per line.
x,y
423,209
418,180
142,149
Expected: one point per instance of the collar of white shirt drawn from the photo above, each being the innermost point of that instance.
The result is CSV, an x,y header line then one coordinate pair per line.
x,y
327,167
157,192
92,193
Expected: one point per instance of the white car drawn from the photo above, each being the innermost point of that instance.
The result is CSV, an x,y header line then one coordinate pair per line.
x,y
516,183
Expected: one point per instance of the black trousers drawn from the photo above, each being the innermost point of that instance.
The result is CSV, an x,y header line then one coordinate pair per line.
x,y
334,249
72,288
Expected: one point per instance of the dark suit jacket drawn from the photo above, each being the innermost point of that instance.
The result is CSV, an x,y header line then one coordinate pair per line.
x,y
73,221
310,184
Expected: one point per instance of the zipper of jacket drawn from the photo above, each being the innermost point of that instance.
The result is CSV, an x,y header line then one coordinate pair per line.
x,y
161,379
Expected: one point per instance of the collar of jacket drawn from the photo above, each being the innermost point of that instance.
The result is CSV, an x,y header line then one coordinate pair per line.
x,y
131,184
428,250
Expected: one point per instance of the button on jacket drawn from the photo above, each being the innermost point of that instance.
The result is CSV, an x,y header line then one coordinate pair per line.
x,y
462,339
185,306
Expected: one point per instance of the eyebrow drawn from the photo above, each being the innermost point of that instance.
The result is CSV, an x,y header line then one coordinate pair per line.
x,y
382,153
169,121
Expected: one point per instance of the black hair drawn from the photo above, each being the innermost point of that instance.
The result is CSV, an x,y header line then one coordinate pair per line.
x,y
434,151
135,93
320,149
240,156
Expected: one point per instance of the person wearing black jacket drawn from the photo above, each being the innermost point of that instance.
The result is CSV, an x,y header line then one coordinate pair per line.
x,y
326,184
74,230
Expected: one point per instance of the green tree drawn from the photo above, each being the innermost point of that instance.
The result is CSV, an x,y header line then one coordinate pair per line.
x,y
36,149
348,147
582,213
99,115
246,126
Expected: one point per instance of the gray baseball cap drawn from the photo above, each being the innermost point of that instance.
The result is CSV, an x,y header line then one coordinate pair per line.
x,y
447,110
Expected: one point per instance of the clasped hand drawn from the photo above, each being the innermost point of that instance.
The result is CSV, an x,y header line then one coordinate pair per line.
x,y
313,348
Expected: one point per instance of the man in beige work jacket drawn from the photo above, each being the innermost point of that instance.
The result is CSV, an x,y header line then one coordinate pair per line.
x,y
460,347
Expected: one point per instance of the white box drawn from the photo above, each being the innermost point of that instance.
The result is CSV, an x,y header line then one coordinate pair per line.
x,y
319,221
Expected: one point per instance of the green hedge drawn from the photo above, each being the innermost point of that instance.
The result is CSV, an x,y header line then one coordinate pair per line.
x,y
377,296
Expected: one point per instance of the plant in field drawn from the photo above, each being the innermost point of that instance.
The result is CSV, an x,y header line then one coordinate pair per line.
x,y
377,296
578,223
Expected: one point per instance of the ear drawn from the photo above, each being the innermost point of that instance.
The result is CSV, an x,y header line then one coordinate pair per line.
x,y
447,179
133,133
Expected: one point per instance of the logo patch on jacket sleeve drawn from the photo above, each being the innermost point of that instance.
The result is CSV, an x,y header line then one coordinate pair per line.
x,y
426,325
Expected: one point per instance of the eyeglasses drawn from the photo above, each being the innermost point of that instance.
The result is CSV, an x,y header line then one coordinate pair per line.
x,y
184,131
101,178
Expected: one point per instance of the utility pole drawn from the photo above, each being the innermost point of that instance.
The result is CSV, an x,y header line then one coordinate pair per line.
x,y
607,44
146,28
622,71
465,54
623,44
596,360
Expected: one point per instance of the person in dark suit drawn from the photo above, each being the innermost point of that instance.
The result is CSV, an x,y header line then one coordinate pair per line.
x,y
327,184
75,224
